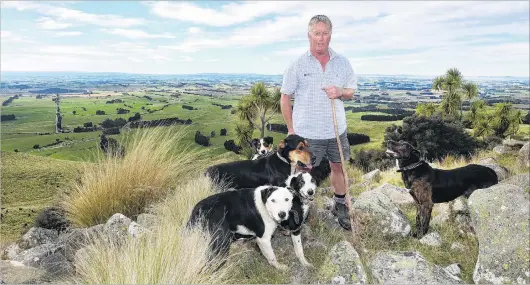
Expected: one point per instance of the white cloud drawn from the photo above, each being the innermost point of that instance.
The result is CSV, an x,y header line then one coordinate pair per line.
x,y
229,14
10,37
136,34
195,31
66,14
50,24
211,60
68,34
73,50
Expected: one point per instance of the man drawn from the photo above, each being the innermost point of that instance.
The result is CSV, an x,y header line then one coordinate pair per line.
x,y
317,76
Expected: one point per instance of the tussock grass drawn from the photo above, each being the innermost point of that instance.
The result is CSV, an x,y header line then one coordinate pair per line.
x,y
155,160
167,254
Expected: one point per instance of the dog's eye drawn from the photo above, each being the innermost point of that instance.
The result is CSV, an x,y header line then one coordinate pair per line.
x,y
286,199
274,201
301,148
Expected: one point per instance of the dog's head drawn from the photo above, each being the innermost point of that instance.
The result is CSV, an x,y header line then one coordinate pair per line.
x,y
303,184
278,202
263,146
295,149
401,150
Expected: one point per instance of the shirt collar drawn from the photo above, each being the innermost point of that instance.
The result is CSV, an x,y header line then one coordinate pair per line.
x,y
330,50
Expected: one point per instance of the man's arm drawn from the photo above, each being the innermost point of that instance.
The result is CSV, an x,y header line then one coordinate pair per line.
x,y
347,93
287,112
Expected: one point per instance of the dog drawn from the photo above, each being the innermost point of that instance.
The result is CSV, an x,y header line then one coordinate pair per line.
x,y
429,185
243,213
291,156
262,147
304,189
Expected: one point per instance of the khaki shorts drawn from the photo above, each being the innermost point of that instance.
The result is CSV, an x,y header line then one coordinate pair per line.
x,y
328,148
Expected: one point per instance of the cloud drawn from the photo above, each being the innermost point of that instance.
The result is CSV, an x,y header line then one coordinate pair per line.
x,y
66,14
10,37
68,34
50,24
73,50
211,60
195,31
229,14
136,34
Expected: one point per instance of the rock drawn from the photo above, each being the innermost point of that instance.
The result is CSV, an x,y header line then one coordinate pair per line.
x,y
14,272
11,251
408,268
454,269
135,230
398,195
524,155
37,236
442,212
458,246
500,219
502,149
513,144
432,239
372,176
117,226
502,173
487,160
327,203
521,180
147,220
343,265
385,217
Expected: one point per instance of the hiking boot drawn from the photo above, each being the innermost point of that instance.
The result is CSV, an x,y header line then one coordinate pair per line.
x,y
341,212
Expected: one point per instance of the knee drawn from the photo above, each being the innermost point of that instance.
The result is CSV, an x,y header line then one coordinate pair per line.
x,y
336,168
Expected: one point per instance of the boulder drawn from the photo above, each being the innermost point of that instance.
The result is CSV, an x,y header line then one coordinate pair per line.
x,y
398,195
524,155
343,266
500,219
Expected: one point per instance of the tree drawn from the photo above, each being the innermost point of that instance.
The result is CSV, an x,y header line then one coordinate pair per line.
x,y
455,90
258,107
501,119
426,109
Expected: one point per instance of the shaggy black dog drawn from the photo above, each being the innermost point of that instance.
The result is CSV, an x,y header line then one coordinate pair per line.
x,y
428,185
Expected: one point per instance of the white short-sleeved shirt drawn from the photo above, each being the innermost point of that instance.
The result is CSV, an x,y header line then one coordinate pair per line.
x,y
303,80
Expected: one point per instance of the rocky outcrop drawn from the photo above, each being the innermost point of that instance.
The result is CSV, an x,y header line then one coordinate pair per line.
x,y
500,219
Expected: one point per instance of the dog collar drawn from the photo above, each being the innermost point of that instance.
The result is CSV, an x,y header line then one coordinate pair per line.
x,y
412,166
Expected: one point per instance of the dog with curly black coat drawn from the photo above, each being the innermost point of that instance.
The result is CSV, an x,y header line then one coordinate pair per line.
x,y
429,185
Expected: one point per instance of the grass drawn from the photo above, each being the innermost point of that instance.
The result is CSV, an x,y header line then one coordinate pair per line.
x,y
168,254
29,184
154,161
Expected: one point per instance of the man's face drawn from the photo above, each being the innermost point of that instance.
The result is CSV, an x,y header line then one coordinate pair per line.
x,y
319,38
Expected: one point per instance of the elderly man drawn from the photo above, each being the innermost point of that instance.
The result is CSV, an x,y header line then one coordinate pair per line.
x,y
318,75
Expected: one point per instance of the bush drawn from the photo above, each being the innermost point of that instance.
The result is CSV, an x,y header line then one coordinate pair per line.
x,y
202,139
53,218
111,131
222,132
136,117
36,146
99,112
110,146
7,118
384,118
155,161
188,107
279,128
433,136
88,125
354,138
372,159
121,111
230,145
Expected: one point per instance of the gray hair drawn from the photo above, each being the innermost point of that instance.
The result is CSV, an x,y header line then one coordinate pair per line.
x,y
319,18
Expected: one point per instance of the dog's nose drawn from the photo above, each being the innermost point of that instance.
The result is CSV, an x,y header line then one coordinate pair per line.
x,y
282,215
262,152
310,192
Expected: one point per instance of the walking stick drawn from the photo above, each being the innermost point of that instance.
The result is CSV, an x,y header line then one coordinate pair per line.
x,y
343,163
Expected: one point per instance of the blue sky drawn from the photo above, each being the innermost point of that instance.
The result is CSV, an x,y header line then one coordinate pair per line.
x,y
489,38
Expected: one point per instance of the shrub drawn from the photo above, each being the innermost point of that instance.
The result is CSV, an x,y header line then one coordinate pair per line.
x,y
111,131
372,159
155,160
222,132
136,117
279,128
354,138
202,139
88,125
433,136
99,112
36,146
122,111
7,117
230,145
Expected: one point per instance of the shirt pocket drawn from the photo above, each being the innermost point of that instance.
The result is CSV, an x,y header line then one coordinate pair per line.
x,y
310,80
335,78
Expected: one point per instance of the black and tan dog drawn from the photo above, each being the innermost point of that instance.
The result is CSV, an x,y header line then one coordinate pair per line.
x,y
292,155
428,185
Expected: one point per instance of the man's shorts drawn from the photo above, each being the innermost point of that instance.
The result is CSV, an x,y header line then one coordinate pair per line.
x,y
329,148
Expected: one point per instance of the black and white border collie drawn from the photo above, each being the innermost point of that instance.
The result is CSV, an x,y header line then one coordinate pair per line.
x,y
251,212
292,155
262,147
304,188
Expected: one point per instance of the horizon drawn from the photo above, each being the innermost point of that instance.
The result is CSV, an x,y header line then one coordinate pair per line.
x,y
409,38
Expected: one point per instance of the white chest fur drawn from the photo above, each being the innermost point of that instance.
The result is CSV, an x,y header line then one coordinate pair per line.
x,y
242,230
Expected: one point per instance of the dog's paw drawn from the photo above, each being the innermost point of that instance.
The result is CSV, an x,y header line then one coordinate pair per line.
x,y
280,266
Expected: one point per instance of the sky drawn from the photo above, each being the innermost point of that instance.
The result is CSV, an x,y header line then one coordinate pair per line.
x,y
489,38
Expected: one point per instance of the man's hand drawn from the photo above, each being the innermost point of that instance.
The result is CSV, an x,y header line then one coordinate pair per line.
x,y
333,92
290,132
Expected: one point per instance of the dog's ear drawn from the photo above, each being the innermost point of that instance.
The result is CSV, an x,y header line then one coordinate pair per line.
x,y
254,143
266,193
268,140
